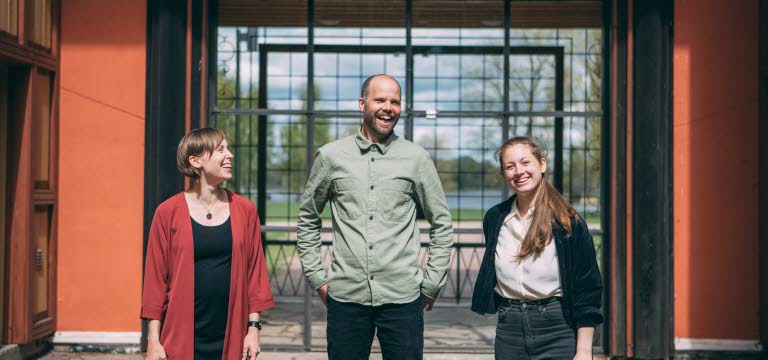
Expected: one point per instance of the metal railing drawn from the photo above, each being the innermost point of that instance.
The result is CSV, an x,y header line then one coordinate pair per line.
x,y
287,278
289,284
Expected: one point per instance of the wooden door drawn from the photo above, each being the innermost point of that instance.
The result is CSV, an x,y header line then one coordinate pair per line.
x,y
30,223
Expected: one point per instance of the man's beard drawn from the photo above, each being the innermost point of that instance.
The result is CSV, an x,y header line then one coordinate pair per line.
x,y
369,121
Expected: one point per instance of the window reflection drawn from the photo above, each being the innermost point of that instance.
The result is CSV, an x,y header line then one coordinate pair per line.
x,y
9,14
458,70
39,18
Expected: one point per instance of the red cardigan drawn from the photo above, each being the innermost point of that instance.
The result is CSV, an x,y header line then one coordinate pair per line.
x,y
169,293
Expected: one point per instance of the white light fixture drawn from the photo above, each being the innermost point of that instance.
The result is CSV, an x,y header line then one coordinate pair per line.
x,y
329,22
491,23
431,114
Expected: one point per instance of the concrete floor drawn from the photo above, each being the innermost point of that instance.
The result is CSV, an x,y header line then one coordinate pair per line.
x,y
446,328
451,332
58,355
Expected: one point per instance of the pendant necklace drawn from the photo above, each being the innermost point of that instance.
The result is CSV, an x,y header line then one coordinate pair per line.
x,y
208,214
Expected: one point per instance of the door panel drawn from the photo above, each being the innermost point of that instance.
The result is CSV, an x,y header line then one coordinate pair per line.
x,y
28,169
41,234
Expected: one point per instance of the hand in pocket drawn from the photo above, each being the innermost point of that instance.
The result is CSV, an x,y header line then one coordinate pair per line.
x,y
322,291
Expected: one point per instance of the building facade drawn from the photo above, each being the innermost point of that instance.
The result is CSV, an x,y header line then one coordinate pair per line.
x,y
654,113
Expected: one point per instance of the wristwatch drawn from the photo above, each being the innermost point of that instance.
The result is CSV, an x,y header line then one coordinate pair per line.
x,y
256,324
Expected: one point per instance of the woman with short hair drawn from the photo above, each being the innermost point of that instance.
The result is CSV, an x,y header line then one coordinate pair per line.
x,y
205,278
539,271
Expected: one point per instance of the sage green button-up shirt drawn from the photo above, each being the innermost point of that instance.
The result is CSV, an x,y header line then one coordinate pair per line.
x,y
374,189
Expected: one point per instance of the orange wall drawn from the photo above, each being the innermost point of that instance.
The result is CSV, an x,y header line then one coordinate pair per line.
x,y
715,169
103,59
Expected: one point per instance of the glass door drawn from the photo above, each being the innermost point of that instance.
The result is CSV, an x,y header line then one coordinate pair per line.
x,y
288,86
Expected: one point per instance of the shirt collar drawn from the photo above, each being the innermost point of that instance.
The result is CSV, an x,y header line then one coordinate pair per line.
x,y
514,211
365,144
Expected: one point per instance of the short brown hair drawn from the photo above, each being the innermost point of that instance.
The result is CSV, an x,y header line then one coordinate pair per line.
x,y
198,142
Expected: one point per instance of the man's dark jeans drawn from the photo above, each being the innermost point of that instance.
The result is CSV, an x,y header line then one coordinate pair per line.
x,y
400,329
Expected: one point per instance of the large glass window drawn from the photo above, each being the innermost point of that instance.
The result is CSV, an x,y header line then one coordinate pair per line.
x,y
9,16
38,16
41,128
471,76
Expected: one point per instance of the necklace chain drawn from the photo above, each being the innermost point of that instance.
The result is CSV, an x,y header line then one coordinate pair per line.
x,y
208,214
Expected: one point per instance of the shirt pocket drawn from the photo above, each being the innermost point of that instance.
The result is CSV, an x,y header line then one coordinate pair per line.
x,y
349,204
395,199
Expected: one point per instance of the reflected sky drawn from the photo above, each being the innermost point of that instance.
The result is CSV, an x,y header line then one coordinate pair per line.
x,y
446,82
463,148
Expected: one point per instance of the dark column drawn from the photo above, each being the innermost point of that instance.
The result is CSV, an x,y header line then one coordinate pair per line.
x,y
195,113
212,16
618,269
165,122
652,179
605,172
762,159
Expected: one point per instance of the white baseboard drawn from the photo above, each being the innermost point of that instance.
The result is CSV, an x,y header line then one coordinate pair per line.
x,y
717,344
97,337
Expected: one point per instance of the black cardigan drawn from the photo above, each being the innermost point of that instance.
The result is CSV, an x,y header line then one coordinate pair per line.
x,y
580,278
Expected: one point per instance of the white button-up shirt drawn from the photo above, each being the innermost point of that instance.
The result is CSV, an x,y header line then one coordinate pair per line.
x,y
535,277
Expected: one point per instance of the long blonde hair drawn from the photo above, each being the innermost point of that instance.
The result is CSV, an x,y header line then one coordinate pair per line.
x,y
549,206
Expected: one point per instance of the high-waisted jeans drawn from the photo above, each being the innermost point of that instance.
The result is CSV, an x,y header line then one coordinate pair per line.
x,y
534,329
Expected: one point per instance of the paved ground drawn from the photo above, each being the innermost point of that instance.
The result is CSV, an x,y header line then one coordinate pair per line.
x,y
447,327
451,332
264,356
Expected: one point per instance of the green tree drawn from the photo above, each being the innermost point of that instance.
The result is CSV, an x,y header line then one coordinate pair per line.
x,y
290,156
241,130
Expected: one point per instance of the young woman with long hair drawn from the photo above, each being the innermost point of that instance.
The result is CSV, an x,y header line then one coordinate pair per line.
x,y
205,279
539,271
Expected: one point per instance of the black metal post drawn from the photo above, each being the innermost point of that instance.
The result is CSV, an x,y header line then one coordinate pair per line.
x,y
261,147
408,70
195,113
505,119
236,141
763,165
559,97
458,275
605,173
309,151
212,12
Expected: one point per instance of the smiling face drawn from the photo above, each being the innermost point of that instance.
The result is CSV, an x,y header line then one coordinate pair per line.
x,y
380,108
521,169
216,166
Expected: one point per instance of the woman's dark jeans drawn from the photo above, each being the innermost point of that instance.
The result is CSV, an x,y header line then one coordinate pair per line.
x,y
351,327
533,330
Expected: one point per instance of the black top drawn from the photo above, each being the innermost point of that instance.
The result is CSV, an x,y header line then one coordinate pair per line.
x,y
213,264
579,275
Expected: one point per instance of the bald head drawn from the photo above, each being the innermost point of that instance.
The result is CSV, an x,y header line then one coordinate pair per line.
x,y
366,88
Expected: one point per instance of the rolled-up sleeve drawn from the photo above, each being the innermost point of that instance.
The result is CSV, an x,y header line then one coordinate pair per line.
x,y
432,199
310,222
155,295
